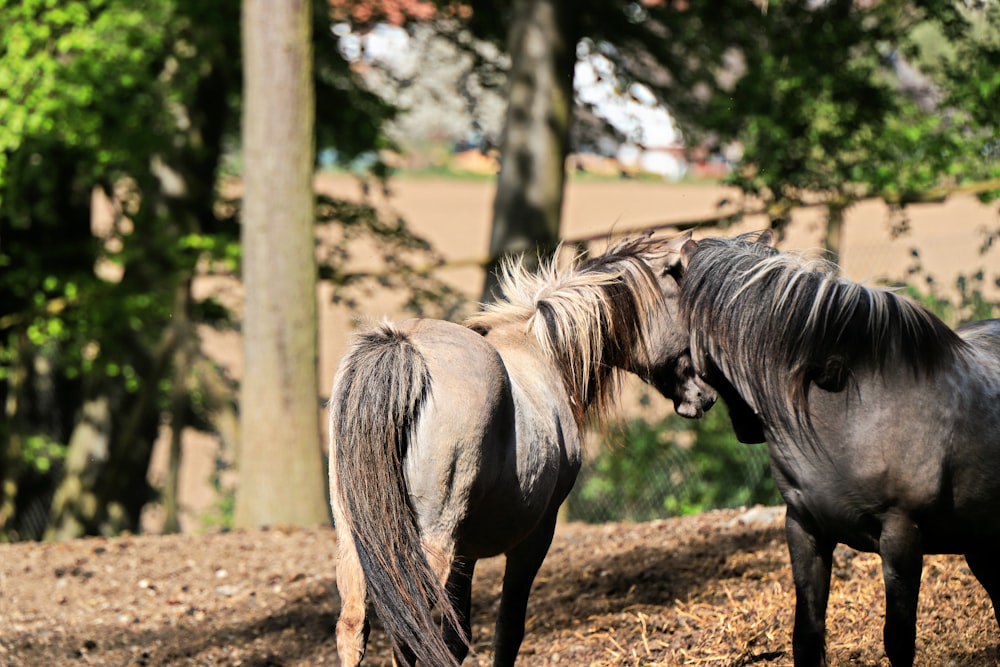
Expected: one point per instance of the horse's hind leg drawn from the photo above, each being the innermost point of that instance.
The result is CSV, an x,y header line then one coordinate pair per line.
x,y
440,554
460,589
352,625
902,564
985,565
523,563
812,561
403,657
458,583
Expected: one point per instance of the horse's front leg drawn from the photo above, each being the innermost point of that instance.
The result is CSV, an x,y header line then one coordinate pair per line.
x,y
812,560
902,564
523,563
985,564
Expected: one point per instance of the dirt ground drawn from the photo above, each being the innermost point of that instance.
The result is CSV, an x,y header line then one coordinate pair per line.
x,y
712,589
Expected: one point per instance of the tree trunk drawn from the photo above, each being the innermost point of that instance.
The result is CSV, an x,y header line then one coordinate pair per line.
x,y
528,203
11,437
834,232
104,486
280,462
180,405
76,507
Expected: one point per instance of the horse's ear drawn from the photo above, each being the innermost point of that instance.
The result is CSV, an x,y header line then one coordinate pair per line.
x,y
674,259
678,241
766,237
687,252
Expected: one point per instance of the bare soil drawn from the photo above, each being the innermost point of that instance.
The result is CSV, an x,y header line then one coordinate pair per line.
x,y
712,589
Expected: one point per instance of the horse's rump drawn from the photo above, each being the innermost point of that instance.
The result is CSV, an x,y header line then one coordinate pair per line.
x,y
377,396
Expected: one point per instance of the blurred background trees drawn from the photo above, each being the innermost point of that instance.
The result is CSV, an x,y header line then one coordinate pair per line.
x,y
131,101
813,103
135,106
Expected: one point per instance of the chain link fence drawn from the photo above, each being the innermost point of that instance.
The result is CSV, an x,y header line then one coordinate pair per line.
x,y
639,470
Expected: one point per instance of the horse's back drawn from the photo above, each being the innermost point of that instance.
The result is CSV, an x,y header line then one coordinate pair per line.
x,y
465,432
457,355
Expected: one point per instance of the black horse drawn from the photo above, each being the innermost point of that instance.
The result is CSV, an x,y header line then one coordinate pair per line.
x,y
883,424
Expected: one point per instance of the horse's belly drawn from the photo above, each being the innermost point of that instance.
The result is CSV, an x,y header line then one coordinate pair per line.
x,y
517,503
495,533
962,529
966,512
852,512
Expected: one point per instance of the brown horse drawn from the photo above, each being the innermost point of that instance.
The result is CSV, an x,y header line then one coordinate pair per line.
x,y
453,443
883,424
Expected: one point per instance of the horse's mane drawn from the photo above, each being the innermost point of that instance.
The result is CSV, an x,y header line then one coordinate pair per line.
x,y
774,323
587,317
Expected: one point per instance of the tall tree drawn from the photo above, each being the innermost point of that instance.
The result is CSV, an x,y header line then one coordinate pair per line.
x,y
99,324
528,205
280,463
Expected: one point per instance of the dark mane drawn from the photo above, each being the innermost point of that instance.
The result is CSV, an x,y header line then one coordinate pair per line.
x,y
588,317
771,321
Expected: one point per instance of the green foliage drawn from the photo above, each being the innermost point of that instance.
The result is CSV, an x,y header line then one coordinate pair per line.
x,y
972,87
832,105
41,453
866,113
967,301
669,468
137,100
76,75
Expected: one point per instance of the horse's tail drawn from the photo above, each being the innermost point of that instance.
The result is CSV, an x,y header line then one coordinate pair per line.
x,y
377,396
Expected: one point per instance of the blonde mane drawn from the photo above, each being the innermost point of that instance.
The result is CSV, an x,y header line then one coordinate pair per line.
x,y
588,317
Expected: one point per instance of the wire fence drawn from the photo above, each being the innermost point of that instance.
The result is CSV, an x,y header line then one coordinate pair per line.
x,y
669,468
